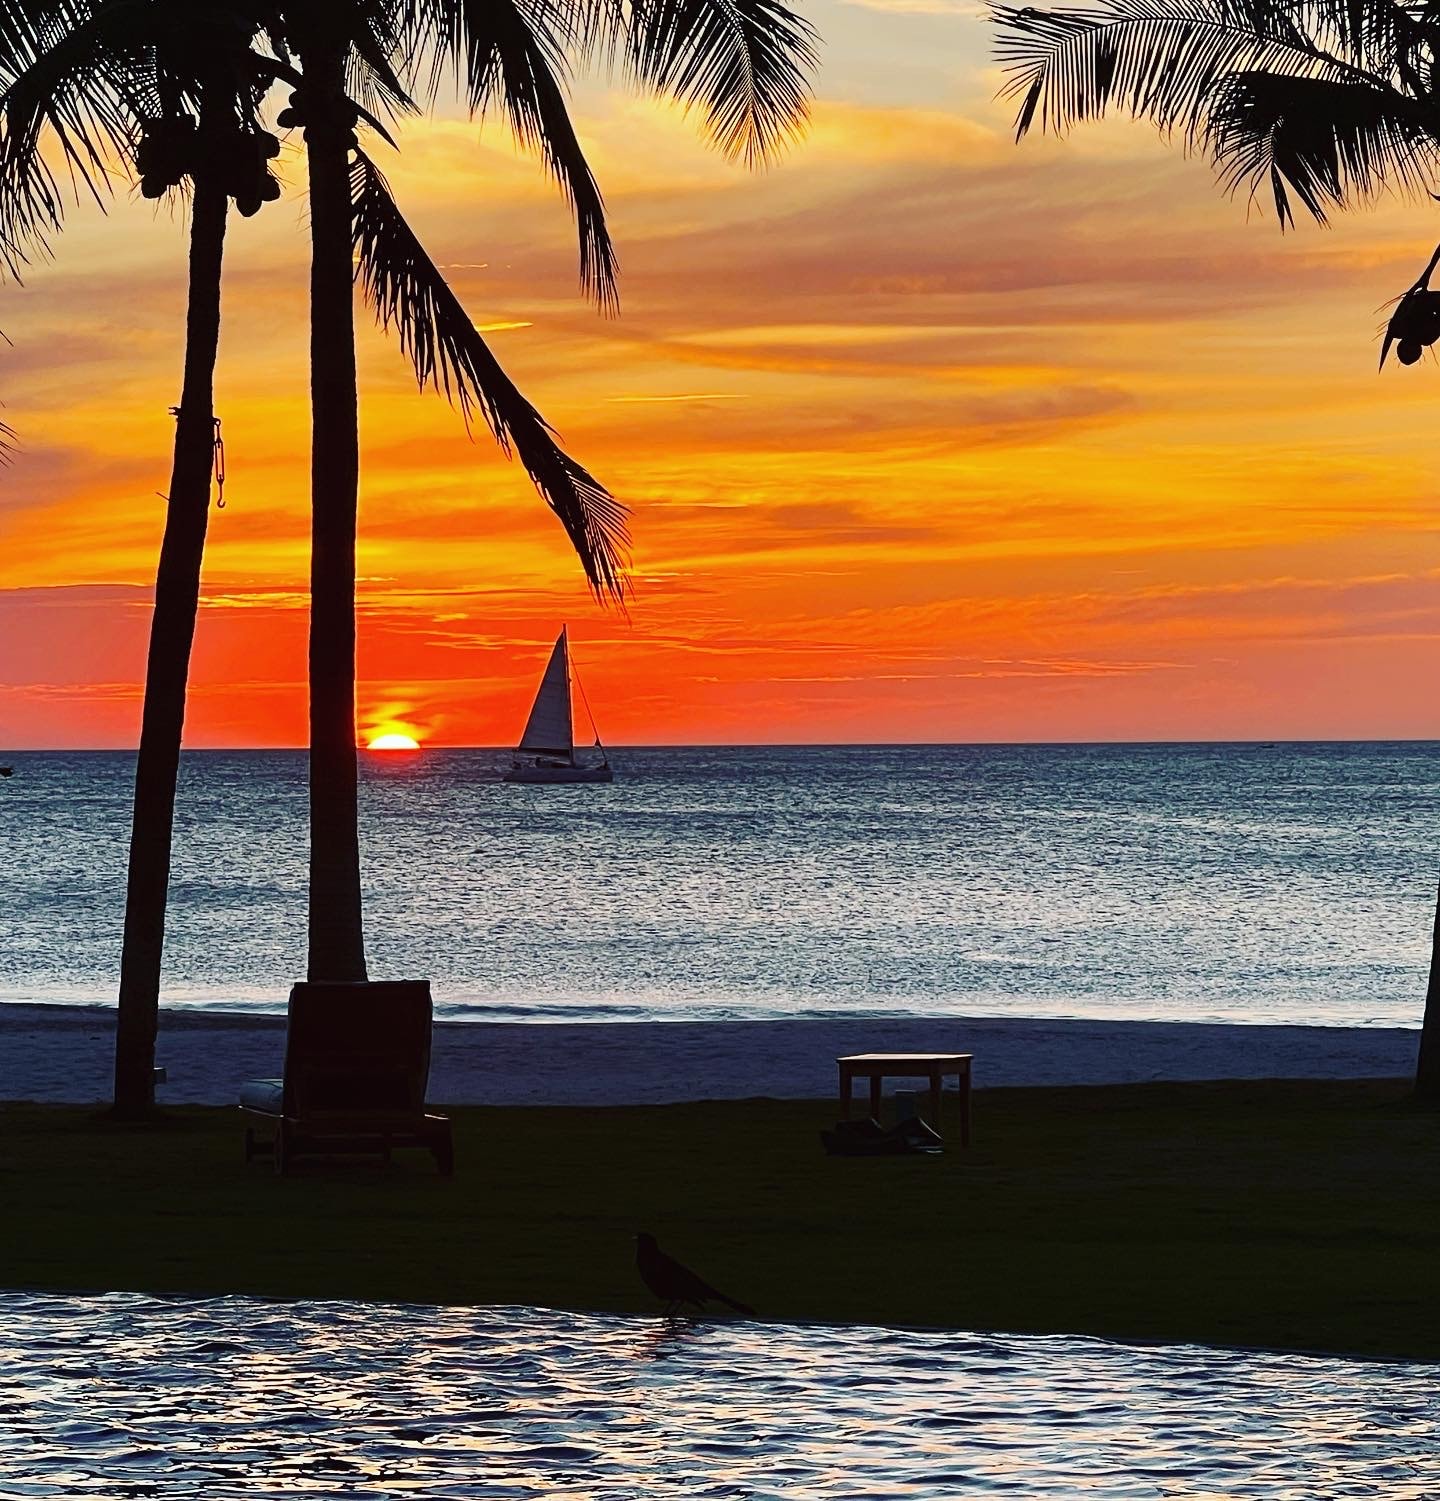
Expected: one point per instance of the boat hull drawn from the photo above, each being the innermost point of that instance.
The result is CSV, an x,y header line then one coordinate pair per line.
x,y
550,776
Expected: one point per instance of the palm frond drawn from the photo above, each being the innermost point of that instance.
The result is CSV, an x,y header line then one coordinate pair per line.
x,y
1327,142
377,55
1381,36
65,70
510,55
746,65
1157,59
408,293
28,27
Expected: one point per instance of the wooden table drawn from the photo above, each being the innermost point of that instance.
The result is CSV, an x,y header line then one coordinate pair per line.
x,y
933,1066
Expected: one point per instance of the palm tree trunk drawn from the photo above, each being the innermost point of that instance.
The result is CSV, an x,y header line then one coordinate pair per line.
x,y
172,631
1427,1070
337,948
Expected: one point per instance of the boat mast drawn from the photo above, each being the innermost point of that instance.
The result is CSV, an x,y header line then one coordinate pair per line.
x,y
565,658
589,714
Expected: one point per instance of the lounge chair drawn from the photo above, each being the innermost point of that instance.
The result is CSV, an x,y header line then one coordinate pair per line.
x,y
357,1060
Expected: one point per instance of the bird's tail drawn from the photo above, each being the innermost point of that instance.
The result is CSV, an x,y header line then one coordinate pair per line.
x,y
739,1307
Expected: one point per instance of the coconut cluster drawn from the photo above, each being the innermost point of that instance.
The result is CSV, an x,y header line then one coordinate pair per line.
x,y
1415,324
298,116
173,149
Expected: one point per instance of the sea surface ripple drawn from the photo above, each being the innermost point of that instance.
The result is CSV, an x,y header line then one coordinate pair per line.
x,y
128,1396
1237,883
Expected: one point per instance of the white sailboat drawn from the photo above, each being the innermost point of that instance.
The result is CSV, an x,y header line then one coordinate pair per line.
x,y
546,753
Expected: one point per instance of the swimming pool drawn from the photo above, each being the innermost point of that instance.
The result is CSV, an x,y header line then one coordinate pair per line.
x,y
122,1395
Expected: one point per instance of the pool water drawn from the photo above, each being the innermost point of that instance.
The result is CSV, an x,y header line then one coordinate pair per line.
x,y
128,1396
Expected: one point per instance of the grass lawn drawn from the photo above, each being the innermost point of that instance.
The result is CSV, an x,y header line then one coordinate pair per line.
x,y
1299,1215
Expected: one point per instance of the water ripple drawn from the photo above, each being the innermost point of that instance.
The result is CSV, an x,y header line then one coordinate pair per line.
x,y
1203,882
130,1396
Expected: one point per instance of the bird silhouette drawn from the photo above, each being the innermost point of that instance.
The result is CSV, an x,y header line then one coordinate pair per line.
x,y
675,1284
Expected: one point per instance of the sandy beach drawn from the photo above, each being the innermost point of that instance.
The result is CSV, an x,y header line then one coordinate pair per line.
x,y
62,1054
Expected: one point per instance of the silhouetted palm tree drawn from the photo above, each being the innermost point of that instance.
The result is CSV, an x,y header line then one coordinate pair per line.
x,y
97,86
1333,101
176,82
744,63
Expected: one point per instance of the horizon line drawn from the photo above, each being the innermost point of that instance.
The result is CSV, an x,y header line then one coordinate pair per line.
x,y
646,745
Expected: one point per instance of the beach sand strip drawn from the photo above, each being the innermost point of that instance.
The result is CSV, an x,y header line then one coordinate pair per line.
x,y
62,1055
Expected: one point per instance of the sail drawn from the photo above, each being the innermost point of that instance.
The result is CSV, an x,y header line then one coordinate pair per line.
x,y
548,730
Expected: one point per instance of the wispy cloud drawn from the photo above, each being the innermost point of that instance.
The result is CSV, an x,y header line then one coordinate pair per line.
x,y
959,8
680,396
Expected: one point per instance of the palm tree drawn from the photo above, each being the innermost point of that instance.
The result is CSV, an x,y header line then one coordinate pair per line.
x,y
71,66
1331,101
185,83
742,62
177,82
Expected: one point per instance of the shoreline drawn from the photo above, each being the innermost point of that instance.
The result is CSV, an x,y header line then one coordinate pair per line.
x,y
61,1054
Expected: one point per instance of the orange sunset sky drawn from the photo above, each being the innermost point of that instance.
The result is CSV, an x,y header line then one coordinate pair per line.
x,y
928,437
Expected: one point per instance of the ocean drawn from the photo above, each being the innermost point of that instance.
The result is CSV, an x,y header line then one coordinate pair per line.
x,y
1247,883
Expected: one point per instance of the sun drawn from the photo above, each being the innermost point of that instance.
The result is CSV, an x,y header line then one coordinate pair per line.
x,y
393,743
